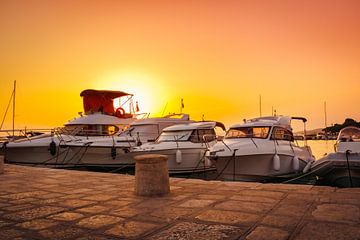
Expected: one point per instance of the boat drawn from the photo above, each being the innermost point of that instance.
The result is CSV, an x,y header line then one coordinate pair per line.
x,y
260,149
341,168
101,120
115,153
185,145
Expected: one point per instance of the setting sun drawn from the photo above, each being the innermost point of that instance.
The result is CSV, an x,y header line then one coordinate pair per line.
x,y
150,93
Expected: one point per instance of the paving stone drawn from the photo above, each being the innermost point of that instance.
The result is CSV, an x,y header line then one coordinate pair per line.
x,y
98,221
228,217
62,232
67,216
198,231
290,210
257,207
33,213
281,221
267,233
260,199
50,195
172,213
131,229
10,234
24,195
328,231
93,209
337,213
99,197
14,208
117,203
38,224
262,193
92,237
196,203
211,196
74,203
126,211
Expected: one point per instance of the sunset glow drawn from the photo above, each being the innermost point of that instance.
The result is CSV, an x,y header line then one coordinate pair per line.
x,y
219,56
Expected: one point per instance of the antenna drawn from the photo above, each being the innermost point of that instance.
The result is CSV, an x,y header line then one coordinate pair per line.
x,y
182,105
325,115
13,120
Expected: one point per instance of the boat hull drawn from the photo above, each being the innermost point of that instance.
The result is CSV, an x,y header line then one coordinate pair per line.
x,y
257,167
193,160
335,170
103,157
37,155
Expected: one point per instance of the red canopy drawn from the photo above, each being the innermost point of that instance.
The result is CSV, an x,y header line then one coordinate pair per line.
x,y
100,100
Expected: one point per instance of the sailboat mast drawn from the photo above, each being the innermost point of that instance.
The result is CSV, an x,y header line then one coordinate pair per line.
x,y
13,119
260,104
325,115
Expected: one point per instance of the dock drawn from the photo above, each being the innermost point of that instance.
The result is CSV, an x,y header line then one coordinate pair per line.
x,y
44,203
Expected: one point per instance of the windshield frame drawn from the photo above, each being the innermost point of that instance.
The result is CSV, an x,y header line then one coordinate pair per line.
x,y
183,138
248,135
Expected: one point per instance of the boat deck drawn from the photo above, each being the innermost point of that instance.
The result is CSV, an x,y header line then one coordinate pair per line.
x,y
42,203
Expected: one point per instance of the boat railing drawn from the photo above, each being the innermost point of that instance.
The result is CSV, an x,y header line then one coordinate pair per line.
x,y
17,134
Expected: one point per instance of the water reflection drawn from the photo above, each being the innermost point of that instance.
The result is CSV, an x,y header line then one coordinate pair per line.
x,y
320,147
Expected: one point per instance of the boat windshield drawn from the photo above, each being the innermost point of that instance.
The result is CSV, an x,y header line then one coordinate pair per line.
x,y
349,134
146,131
174,136
248,132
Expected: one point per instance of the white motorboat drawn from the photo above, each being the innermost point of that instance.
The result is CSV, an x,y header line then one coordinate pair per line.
x,y
341,168
101,120
185,145
261,149
116,152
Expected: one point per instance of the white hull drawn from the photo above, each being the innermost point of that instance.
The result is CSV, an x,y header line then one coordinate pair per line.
x,y
103,157
333,169
193,160
37,155
256,167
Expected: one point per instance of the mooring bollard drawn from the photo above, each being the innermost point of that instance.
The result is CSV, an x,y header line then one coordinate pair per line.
x,y
151,175
1,164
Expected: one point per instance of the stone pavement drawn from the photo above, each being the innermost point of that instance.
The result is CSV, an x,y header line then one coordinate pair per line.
x,y
40,203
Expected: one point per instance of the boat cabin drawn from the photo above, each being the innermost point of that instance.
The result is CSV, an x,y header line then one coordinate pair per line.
x,y
272,128
199,132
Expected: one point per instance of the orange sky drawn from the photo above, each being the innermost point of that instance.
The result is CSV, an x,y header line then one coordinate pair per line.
x,y
217,55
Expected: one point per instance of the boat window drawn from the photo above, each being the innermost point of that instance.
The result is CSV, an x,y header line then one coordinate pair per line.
x,y
282,134
201,135
174,136
248,132
349,134
91,130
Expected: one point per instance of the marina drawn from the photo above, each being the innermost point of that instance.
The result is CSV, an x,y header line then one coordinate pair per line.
x,y
180,120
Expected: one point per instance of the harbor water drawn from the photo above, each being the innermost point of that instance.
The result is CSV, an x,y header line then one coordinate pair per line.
x,y
319,148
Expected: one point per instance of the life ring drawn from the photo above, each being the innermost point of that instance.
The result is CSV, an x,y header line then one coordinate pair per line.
x,y
120,112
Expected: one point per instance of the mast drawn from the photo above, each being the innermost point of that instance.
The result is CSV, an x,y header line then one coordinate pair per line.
x,y
260,104
13,119
325,115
